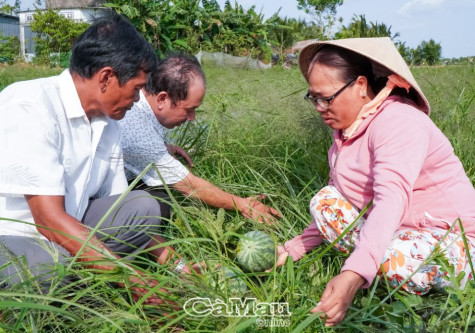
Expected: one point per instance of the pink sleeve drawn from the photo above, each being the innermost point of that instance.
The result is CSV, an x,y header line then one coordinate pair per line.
x,y
399,146
308,240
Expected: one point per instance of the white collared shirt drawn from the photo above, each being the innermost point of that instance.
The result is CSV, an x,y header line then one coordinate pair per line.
x,y
49,147
143,143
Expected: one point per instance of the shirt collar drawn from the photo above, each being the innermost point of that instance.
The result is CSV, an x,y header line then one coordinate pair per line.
x,y
69,96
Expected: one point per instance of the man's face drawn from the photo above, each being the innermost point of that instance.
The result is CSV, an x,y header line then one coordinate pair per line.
x,y
174,115
117,100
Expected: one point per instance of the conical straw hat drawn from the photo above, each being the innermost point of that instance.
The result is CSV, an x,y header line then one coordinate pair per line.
x,y
384,56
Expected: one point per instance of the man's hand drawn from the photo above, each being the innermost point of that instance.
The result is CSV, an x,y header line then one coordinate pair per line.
x,y
141,286
338,296
177,150
251,208
185,267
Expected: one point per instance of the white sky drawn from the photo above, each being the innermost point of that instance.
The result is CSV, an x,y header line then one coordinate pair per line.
x,y
449,22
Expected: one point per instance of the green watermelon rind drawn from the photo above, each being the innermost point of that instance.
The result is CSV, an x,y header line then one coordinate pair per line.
x,y
225,278
256,251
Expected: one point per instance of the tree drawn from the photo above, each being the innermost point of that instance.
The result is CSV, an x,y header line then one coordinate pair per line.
x,y
55,34
280,32
183,24
405,51
162,23
9,47
9,9
323,12
360,28
319,6
427,53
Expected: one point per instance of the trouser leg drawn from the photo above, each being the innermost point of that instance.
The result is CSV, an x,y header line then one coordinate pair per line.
x,y
333,214
160,195
24,259
407,252
129,227
410,248
131,224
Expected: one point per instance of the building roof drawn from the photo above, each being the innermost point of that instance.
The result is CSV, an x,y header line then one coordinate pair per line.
x,y
9,16
69,4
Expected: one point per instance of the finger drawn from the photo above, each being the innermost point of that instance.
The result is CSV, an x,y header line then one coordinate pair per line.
x,y
259,197
326,294
336,319
265,210
266,220
188,160
317,310
274,212
280,250
281,260
334,313
197,268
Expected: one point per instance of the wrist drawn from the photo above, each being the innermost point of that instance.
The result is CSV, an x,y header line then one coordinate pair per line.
x,y
357,280
180,265
240,204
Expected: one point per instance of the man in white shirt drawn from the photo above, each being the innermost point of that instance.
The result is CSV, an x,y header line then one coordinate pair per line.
x,y
61,166
172,94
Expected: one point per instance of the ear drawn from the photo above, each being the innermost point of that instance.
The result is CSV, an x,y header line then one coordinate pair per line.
x,y
161,98
105,75
362,83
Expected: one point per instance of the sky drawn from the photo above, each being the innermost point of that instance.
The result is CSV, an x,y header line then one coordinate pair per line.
x,y
450,23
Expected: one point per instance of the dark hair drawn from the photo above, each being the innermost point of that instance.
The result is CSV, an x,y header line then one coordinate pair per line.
x,y
349,64
112,41
173,75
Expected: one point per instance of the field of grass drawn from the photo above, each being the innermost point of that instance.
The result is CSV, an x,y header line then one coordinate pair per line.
x,y
256,135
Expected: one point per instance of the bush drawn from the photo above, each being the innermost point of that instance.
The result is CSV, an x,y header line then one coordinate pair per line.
x,y
9,47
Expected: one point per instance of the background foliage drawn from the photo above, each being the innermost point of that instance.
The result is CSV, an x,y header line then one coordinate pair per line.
x,y
9,47
194,25
55,35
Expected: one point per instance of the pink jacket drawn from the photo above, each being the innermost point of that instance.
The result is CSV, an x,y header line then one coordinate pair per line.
x,y
399,158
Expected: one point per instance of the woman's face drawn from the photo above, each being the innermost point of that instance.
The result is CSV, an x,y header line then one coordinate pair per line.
x,y
324,82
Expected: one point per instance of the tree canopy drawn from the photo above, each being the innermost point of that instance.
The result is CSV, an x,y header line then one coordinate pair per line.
x,y
55,34
194,25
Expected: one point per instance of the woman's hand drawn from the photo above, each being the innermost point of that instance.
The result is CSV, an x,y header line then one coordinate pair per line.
x,y
338,296
281,257
252,208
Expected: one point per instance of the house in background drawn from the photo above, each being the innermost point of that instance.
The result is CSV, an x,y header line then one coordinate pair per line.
x,y
78,10
9,25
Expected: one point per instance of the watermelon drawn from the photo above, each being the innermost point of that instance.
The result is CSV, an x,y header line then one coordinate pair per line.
x,y
224,279
256,251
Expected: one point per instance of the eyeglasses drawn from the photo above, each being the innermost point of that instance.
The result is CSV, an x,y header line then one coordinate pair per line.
x,y
325,102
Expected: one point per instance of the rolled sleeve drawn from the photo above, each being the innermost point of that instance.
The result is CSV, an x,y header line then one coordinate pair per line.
x,y
298,246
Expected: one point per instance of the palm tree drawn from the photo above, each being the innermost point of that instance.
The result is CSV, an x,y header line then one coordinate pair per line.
x,y
360,28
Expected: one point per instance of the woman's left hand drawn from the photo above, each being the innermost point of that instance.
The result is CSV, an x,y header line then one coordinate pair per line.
x,y
338,296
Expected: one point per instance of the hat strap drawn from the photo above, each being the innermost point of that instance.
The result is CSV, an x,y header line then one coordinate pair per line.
x,y
394,80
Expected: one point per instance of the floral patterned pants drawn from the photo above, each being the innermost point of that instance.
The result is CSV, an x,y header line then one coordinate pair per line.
x,y
407,252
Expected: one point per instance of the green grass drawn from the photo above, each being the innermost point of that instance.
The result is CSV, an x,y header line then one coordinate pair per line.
x,y
257,135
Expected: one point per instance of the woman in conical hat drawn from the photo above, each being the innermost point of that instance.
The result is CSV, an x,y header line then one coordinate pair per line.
x,y
389,156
